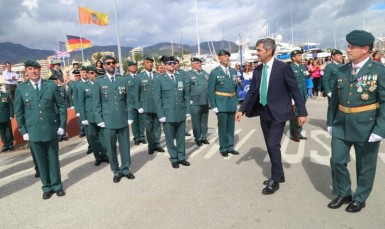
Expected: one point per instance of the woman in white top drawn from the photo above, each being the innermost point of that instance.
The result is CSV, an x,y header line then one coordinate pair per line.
x,y
247,74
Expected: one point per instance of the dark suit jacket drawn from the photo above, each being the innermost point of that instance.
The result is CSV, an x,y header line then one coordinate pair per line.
x,y
282,88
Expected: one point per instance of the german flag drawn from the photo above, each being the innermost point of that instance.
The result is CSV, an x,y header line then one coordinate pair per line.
x,y
76,43
88,16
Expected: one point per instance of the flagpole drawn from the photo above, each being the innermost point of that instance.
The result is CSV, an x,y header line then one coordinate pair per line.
x,y
118,40
81,39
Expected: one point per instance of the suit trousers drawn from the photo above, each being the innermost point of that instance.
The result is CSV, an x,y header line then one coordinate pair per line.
x,y
175,130
199,119
138,125
47,158
366,163
122,135
152,130
6,134
226,126
97,142
272,133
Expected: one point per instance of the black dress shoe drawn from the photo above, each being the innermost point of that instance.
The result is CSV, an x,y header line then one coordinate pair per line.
x,y
137,143
205,142
270,188
82,135
234,152
175,165
98,162
47,195
151,151
199,143
282,180
159,149
89,151
225,154
143,141
60,139
60,192
303,138
105,160
37,174
355,206
187,134
129,176
184,162
11,148
339,201
4,149
116,179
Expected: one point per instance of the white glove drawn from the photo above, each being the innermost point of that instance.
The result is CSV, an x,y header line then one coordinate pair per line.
x,y
329,94
102,125
162,119
292,102
374,138
10,118
77,114
85,122
140,110
330,130
26,137
130,121
215,109
188,116
72,108
60,131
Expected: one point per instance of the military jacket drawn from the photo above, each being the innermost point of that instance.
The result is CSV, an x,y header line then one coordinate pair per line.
x,y
330,74
171,98
300,74
85,100
6,107
72,92
35,113
144,91
220,82
131,90
197,83
110,102
349,90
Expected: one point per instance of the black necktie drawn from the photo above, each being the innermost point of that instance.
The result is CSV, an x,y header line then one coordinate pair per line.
x,y
172,77
112,79
37,88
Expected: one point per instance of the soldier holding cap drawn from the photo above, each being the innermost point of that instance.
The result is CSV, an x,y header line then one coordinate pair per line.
x,y
357,119
197,82
37,121
223,98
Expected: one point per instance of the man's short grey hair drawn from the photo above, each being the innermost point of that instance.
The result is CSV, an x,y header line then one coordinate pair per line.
x,y
268,43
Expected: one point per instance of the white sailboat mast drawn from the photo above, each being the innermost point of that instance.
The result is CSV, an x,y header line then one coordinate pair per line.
x,y
197,27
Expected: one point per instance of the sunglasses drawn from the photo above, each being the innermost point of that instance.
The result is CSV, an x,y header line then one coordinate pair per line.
x,y
109,63
77,75
171,63
91,73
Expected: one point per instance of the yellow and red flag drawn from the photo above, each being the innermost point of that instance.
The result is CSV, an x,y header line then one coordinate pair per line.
x,y
88,16
76,43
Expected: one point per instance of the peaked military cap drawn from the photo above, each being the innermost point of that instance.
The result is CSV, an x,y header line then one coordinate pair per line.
x,y
53,77
194,59
148,58
108,57
76,72
84,68
336,51
166,59
130,63
91,68
295,52
223,52
31,63
360,38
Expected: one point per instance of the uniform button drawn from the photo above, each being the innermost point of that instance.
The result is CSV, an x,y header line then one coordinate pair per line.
x,y
351,85
371,119
41,118
348,102
350,94
41,112
39,105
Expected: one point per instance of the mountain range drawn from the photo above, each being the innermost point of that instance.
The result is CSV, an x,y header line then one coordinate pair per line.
x,y
16,53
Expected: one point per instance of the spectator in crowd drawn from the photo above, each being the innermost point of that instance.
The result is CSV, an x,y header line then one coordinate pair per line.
x,y
315,72
247,73
99,68
376,56
6,115
10,79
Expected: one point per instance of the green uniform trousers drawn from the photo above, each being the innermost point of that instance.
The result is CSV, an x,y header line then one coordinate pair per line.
x,y
199,119
152,130
33,159
138,125
6,134
175,130
366,161
97,142
226,126
47,158
122,135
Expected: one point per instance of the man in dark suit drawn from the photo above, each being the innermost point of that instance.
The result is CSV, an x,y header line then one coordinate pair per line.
x,y
272,90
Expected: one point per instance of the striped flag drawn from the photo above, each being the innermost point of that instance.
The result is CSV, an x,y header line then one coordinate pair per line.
x,y
75,43
88,16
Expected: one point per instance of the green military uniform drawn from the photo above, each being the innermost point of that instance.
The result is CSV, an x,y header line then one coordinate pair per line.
x,y
300,74
73,98
330,75
172,102
197,83
357,112
223,95
36,116
138,123
111,108
144,96
6,114
93,132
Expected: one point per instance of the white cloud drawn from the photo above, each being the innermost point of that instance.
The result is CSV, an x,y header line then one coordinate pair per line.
x,y
30,4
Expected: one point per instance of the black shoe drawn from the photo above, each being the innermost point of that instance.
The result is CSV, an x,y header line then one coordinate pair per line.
x,y
89,151
205,142
11,148
225,154
175,165
116,179
4,149
187,134
355,206
137,143
129,176
98,162
37,174
60,192
105,160
270,188
282,180
151,151
47,195
82,135
339,201
199,143
143,142
303,138
159,149
184,162
234,152
60,139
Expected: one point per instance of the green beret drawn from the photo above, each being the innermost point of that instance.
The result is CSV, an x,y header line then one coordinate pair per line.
x,y
84,68
336,51
31,63
360,38
194,59
295,52
91,68
148,58
130,63
108,57
223,52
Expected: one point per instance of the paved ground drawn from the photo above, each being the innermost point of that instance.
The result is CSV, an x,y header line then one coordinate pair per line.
x,y
214,192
